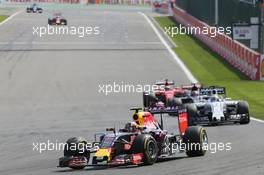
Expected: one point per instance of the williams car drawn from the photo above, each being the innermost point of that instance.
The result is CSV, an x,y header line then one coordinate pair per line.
x,y
211,107
34,8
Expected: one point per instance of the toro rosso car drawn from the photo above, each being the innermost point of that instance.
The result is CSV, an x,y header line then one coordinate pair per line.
x,y
34,8
141,142
211,107
167,95
57,19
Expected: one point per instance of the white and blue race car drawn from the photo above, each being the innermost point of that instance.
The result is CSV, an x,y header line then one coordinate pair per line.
x,y
34,8
210,107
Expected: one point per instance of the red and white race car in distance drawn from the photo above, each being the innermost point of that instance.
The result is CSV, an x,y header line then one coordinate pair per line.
x,y
167,95
159,6
57,19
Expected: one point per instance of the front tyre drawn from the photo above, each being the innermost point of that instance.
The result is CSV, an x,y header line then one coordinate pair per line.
x,y
195,139
243,110
64,23
147,145
76,147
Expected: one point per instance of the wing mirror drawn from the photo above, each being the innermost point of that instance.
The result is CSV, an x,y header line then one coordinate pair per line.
x,y
111,129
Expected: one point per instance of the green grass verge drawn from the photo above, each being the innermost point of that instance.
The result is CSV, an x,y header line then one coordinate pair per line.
x,y
3,17
211,69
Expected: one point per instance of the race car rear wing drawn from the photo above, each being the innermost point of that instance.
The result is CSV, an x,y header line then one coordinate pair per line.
x,y
165,83
189,87
165,110
179,111
213,91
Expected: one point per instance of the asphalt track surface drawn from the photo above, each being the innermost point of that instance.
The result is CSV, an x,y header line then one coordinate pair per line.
x,y
49,91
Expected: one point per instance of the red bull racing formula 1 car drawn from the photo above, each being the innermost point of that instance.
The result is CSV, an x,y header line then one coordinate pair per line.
x,y
141,142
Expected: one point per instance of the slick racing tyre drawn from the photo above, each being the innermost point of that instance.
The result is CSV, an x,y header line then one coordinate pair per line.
x,y
194,139
243,109
147,145
64,22
149,100
192,114
174,102
76,147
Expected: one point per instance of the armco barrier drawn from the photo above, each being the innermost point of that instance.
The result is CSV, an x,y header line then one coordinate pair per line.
x,y
127,2
239,56
262,69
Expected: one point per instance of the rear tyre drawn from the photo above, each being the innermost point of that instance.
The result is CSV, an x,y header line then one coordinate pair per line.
x,y
145,99
174,102
149,100
75,146
177,101
147,145
192,114
243,109
195,139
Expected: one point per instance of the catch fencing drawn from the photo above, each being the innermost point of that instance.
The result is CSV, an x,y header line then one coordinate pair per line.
x,y
239,56
127,2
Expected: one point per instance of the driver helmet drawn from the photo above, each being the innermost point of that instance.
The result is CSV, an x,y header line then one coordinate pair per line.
x,y
194,93
214,98
131,127
167,87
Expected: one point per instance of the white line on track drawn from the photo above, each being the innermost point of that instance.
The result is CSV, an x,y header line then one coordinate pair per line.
x,y
10,17
257,120
79,43
173,54
176,57
168,37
